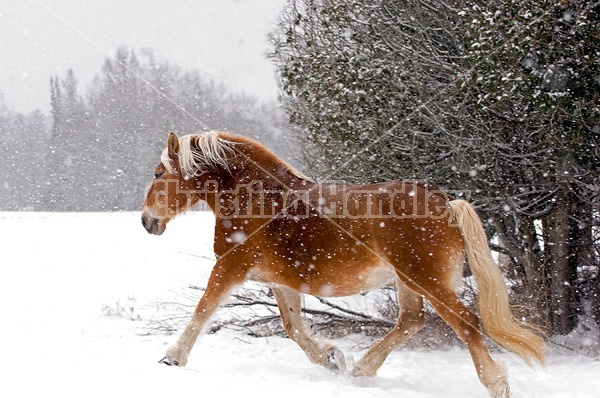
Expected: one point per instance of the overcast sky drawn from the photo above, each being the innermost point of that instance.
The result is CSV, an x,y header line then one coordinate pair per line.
x,y
224,39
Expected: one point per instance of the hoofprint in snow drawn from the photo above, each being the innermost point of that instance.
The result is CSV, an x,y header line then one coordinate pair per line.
x,y
63,276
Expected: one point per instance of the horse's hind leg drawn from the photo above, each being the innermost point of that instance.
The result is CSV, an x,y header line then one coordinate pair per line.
x,y
317,351
466,325
410,320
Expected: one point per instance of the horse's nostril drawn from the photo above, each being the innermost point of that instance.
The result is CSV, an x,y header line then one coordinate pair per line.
x,y
152,225
149,224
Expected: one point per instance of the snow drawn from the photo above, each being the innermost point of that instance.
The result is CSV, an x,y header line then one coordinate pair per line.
x,y
61,272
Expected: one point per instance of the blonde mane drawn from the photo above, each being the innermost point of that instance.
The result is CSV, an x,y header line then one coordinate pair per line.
x,y
202,152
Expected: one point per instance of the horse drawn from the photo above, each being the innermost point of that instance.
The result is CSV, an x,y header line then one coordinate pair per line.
x,y
276,226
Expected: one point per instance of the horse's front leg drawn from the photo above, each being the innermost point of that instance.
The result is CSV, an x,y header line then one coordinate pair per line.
x,y
223,279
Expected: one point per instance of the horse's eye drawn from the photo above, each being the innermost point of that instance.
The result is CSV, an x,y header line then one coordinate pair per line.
x,y
158,175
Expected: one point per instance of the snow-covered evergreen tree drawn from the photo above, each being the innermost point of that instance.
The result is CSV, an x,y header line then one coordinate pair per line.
x,y
497,98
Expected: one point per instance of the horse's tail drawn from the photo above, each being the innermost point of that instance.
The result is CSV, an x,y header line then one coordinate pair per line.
x,y
498,320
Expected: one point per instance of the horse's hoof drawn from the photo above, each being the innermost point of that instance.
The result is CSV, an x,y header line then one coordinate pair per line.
x,y
360,372
169,361
335,360
502,391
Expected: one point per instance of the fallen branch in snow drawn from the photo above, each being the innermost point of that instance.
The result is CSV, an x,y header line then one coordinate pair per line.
x,y
253,311
331,317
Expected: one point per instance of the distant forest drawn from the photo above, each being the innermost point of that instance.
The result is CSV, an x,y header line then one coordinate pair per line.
x,y
97,150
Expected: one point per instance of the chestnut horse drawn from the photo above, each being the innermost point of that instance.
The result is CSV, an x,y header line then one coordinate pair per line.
x,y
277,227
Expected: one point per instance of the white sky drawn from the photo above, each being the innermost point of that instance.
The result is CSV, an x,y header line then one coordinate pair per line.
x,y
224,39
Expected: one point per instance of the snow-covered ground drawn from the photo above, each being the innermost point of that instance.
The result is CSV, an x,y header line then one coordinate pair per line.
x,y
61,276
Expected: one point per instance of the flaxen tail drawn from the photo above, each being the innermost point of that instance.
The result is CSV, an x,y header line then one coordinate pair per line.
x,y
498,320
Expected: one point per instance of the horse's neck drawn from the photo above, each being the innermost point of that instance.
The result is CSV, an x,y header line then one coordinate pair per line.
x,y
240,191
271,173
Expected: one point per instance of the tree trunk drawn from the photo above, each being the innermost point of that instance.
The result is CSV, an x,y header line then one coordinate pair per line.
x,y
562,265
529,269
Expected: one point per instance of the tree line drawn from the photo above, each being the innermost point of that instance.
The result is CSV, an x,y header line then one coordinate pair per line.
x,y
97,150
494,100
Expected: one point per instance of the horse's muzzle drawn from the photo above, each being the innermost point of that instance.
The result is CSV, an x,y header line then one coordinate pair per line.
x,y
153,225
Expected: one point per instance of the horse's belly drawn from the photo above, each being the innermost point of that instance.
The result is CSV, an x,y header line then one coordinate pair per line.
x,y
332,281
369,279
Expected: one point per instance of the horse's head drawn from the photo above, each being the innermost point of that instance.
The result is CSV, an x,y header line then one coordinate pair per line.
x,y
205,165
172,191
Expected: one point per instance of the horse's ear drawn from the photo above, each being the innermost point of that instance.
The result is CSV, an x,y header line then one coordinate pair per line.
x,y
173,146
